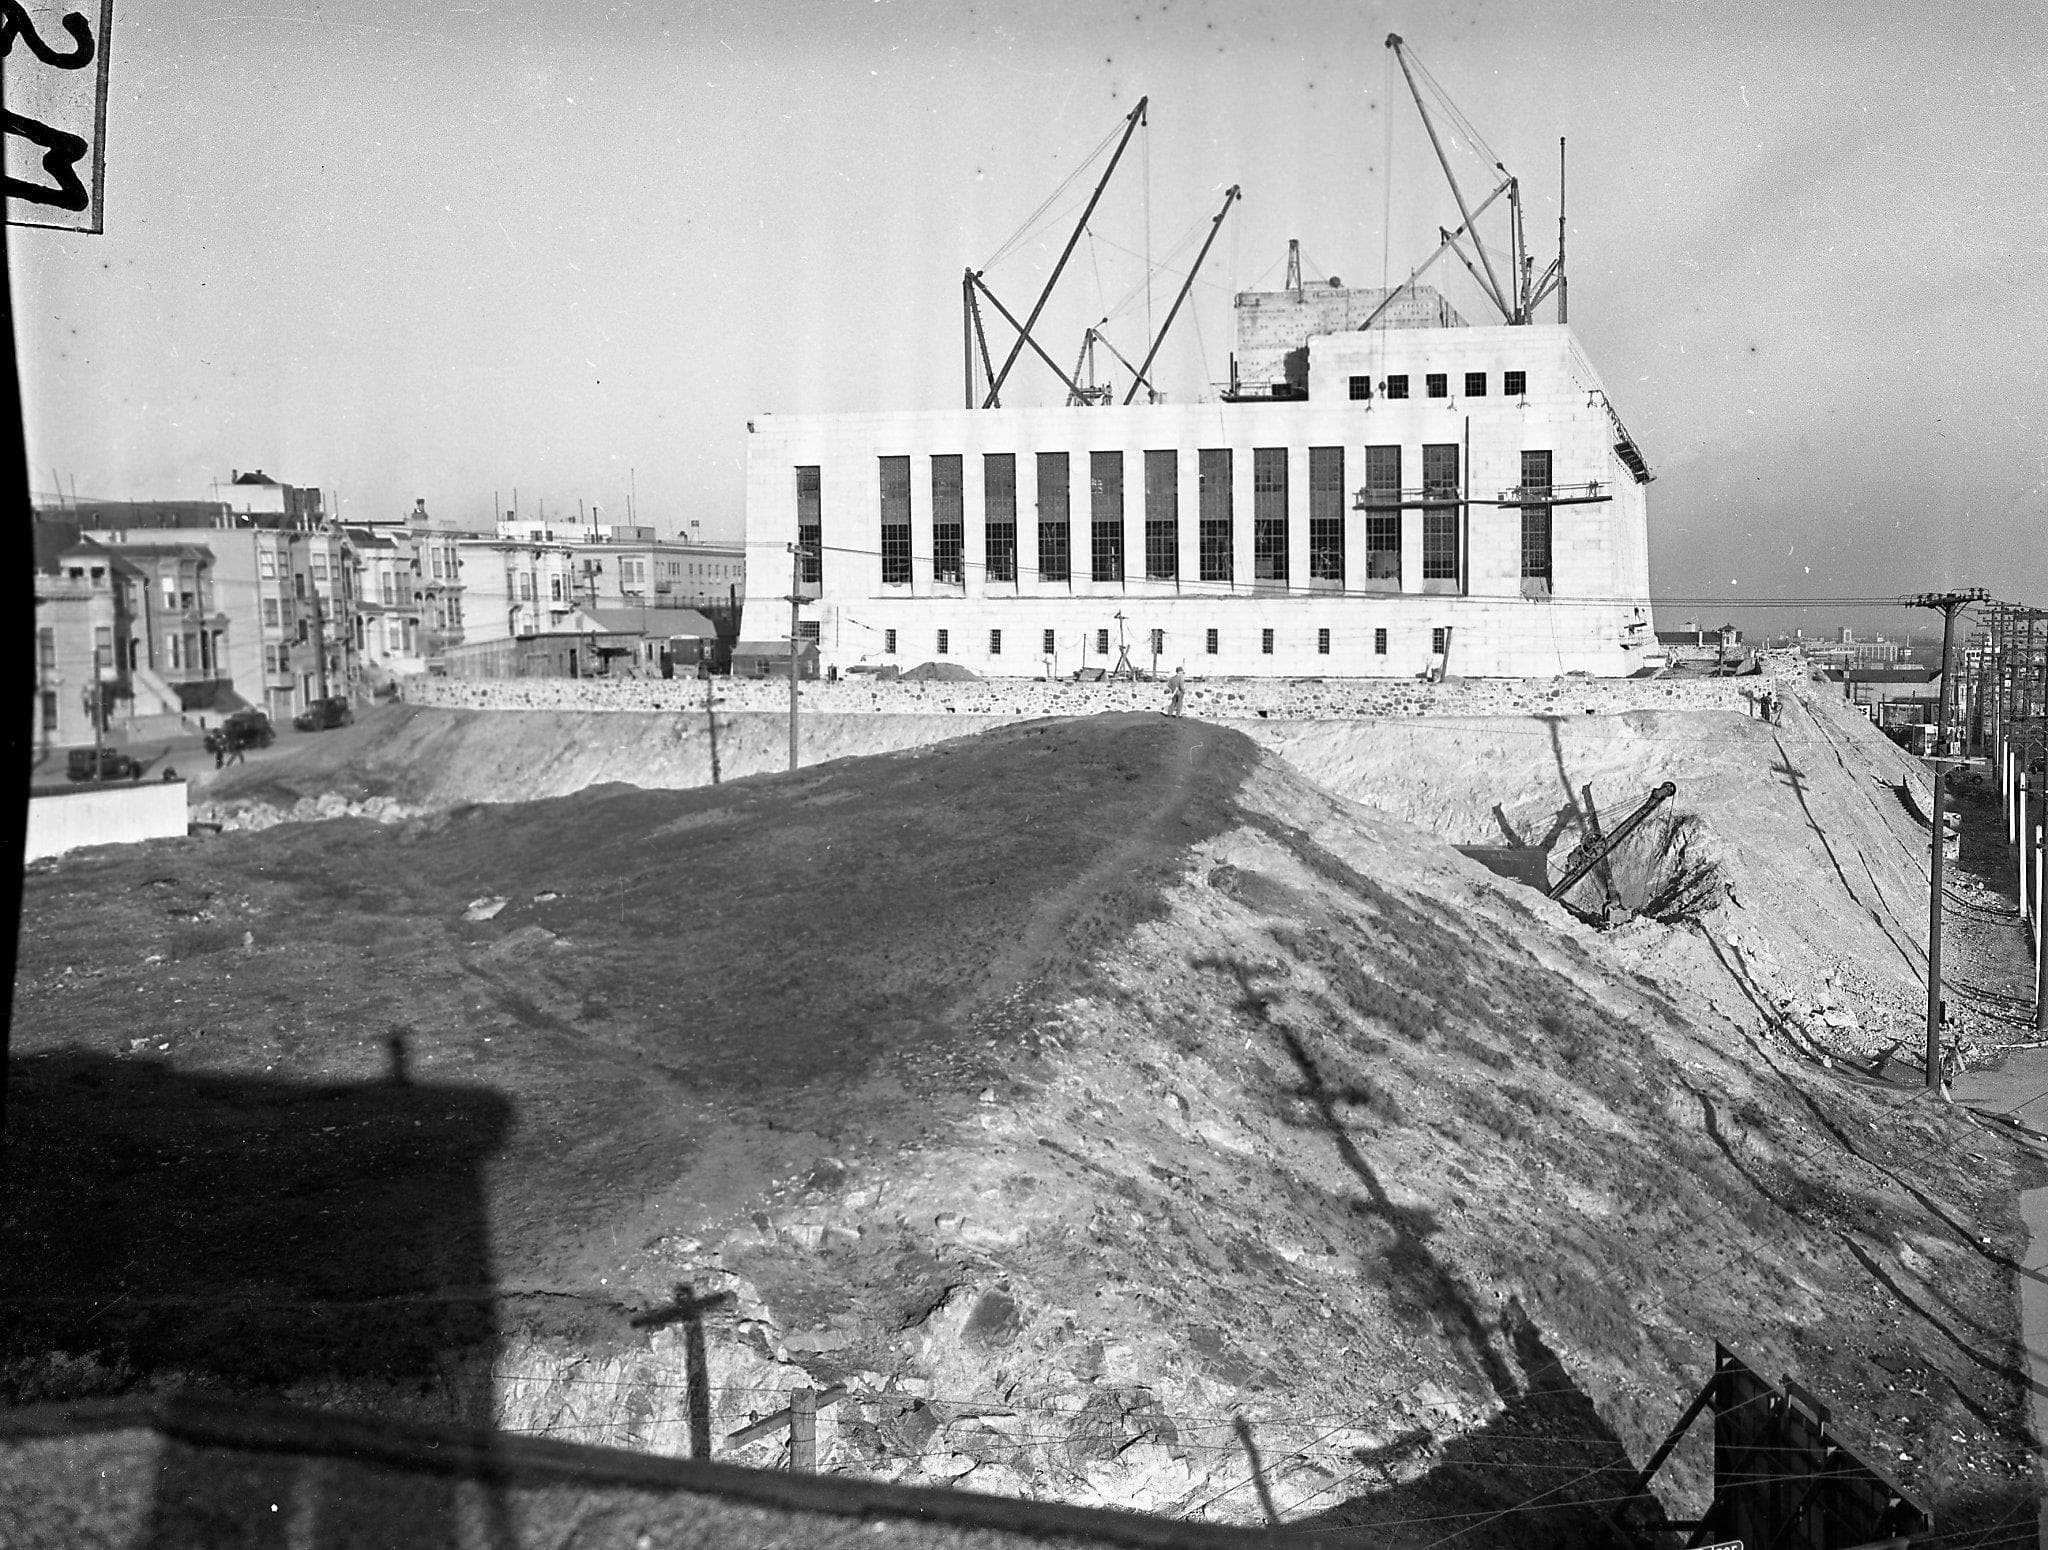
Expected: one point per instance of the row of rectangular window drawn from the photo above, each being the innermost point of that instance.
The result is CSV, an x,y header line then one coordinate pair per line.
x,y
1437,384
1211,642
1215,559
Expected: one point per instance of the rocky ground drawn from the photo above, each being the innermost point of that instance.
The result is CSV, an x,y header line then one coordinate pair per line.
x,y
1065,1093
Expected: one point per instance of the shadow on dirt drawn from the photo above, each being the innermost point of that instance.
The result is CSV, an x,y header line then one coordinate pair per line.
x,y
1532,1476
327,1245
1539,1476
1818,1202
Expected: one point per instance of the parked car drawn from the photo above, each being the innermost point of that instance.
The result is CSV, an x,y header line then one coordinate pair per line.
x,y
101,764
244,729
322,715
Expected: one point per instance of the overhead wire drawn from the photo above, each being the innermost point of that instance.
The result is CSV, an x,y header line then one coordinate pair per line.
x,y
1242,588
1474,141
1031,220
1146,151
1387,176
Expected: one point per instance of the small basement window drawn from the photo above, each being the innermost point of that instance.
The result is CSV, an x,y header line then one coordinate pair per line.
x,y
995,643
1379,643
1209,642
945,640
1047,647
1322,643
1440,640
1266,642
889,642
1102,643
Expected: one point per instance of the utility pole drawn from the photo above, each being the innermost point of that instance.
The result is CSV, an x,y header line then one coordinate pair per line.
x,y
1948,603
796,583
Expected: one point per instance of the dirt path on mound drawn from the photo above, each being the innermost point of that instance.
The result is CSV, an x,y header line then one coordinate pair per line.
x,y
1139,848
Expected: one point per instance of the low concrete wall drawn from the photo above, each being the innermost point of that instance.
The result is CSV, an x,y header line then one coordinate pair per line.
x,y
189,1472
1018,699
104,815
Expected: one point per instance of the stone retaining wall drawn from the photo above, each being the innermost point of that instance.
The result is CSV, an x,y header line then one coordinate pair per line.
x,y
1223,699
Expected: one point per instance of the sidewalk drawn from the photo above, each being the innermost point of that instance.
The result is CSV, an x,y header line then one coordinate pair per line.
x,y
2018,1092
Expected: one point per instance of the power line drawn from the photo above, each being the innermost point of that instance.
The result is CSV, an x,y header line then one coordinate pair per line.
x,y
1019,572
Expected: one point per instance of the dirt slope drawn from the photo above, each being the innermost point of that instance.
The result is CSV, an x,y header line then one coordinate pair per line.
x,y
1796,851
1064,1090
424,757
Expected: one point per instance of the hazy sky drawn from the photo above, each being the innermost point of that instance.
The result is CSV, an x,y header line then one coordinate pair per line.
x,y
434,250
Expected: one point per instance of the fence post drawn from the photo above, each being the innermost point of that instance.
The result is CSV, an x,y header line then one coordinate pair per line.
x,y
803,1430
2040,848
2018,825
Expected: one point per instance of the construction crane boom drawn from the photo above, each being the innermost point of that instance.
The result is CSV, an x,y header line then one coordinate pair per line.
x,y
1133,120
1516,301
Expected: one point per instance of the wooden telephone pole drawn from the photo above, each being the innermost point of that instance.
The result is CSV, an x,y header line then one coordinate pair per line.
x,y
796,600
1948,603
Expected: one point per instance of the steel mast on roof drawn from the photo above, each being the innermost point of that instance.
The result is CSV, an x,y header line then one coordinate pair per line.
x,y
974,279
1516,303
1229,198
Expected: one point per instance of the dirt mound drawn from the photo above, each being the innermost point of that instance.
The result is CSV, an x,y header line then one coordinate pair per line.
x,y
1787,851
425,757
1062,1092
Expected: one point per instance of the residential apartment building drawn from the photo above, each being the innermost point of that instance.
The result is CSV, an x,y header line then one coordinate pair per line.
x,y
290,591
409,592
1418,497
296,592
82,634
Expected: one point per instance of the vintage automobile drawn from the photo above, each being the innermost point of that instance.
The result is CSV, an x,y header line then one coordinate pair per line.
x,y
101,764
322,715
244,729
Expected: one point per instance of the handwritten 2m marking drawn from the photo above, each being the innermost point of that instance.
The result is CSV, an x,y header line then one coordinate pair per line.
x,y
62,150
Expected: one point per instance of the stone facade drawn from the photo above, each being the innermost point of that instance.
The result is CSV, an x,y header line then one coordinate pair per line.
x,y
1292,591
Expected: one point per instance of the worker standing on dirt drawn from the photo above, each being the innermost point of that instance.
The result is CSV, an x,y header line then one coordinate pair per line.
x,y
1180,693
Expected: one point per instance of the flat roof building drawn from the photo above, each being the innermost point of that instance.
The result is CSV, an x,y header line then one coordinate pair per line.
x,y
1419,496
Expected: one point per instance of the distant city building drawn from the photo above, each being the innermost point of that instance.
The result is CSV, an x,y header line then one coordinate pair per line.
x,y
1892,696
1845,651
525,579
256,495
601,642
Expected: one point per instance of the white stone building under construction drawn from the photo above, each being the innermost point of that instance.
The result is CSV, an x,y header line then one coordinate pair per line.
x,y
1412,496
